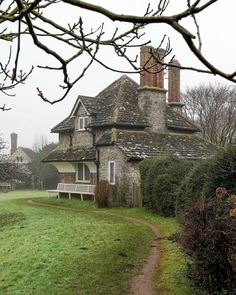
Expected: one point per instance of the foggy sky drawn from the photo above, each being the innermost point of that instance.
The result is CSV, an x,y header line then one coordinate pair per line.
x,y
31,118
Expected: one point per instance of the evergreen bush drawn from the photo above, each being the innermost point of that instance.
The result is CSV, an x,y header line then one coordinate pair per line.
x,y
207,175
160,180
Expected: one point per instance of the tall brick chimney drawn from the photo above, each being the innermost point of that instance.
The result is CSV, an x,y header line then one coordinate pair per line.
x,y
154,75
13,142
174,86
152,95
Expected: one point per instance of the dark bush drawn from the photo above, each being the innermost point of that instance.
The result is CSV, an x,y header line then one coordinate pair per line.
x,y
196,183
160,180
103,194
209,237
207,175
223,169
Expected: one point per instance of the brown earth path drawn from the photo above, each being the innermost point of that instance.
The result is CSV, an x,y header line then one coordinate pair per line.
x,y
143,282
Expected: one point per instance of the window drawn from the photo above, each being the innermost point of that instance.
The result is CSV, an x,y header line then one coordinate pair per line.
x,y
111,172
19,159
83,173
83,122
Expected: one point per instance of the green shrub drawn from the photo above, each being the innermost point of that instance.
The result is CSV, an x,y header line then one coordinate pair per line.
x,y
207,175
103,194
160,180
195,183
209,237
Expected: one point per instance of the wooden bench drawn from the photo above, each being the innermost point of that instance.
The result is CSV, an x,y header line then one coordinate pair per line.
x,y
74,188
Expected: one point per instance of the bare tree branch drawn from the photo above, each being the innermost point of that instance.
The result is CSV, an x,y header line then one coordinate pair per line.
x,y
32,20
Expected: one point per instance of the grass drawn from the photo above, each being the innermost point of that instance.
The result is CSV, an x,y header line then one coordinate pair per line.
x,y
171,276
53,251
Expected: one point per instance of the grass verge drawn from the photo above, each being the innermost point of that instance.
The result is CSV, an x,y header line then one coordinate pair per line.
x,y
52,251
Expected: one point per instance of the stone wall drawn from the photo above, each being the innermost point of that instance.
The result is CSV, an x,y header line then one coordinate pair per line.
x,y
64,139
127,175
67,177
153,103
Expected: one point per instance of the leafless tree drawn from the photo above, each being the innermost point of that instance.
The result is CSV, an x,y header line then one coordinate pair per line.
x,y
213,108
34,18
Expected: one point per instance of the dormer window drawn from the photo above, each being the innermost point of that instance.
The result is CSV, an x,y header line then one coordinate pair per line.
x,y
83,122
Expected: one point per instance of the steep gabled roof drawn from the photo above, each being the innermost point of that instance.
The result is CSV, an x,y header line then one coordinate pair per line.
x,y
71,154
88,102
117,105
138,145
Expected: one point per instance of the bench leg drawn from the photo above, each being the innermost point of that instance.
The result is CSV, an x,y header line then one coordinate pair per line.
x,y
81,197
59,195
69,196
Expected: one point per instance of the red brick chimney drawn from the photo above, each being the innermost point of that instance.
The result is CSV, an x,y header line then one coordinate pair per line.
x,y
154,74
13,142
174,86
152,95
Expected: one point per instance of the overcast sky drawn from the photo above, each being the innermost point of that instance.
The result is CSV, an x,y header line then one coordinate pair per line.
x,y
31,118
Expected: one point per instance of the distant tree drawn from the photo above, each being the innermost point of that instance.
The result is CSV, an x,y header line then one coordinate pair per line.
x,y
44,175
213,108
66,40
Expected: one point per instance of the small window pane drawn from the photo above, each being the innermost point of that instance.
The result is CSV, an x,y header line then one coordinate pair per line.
x,y
81,123
112,172
86,173
80,171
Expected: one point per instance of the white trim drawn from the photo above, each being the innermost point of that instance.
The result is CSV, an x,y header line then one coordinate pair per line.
x,y
83,180
109,172
76,107
83,119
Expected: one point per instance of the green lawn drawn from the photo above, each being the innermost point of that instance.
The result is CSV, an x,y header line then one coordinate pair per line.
x,y
51,251
54,251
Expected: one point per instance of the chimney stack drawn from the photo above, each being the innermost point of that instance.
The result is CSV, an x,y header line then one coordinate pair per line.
x,y
154,74
13,142
152,95
174,86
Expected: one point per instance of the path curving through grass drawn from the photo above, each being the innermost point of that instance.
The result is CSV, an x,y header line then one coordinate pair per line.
x,y
143,282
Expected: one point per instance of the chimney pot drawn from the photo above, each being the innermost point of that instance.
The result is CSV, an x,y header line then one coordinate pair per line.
x,y
153,73
13,142
174,86
174,81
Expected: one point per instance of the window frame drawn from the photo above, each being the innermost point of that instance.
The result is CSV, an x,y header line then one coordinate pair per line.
x,y
112,181
84,165
84,120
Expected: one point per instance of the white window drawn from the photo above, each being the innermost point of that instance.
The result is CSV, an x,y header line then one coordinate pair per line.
x,y
83,122
83,173
111,172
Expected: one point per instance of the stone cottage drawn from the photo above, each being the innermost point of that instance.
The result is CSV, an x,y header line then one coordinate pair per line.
x,y
105,137
22,156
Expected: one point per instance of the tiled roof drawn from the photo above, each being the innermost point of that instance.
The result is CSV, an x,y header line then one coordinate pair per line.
x,y
176,121
89,103
71,154
30,153
138,145
66,125
117,105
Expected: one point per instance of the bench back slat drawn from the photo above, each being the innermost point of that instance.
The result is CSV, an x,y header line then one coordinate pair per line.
x,y
76,188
